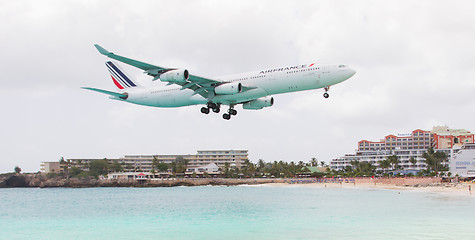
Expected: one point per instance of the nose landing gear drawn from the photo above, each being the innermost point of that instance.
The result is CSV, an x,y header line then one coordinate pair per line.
x,y
326,95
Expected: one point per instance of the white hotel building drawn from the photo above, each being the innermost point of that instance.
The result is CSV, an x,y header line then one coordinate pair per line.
x,y
143,163
463,163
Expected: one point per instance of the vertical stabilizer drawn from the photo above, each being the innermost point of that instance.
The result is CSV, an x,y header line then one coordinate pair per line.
x,y
121,81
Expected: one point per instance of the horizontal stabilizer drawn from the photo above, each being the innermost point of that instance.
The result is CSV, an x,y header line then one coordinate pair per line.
x,y
114,94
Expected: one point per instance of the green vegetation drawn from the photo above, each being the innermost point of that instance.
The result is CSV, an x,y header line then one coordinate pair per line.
x,y
159,166
179,165
99,167
275,169
115,167
436,162
75,171
17,169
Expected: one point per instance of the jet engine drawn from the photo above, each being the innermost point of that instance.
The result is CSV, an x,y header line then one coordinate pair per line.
x,y
179,75
259,103
228,88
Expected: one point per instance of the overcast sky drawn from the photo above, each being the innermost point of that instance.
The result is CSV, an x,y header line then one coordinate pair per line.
x,y
414,61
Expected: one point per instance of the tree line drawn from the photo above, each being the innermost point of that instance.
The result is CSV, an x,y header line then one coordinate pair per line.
x,y
178,167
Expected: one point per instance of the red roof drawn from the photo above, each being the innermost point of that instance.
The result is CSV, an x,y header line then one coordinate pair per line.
x,y
141,174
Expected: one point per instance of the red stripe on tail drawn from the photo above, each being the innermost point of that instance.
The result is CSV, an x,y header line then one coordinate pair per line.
x,y
116,83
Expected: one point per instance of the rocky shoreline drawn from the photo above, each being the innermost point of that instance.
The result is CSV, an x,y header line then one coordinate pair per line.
x,y
42,181
39,180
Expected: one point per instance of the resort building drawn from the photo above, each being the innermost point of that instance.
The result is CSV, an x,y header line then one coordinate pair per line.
x,y
50,167
409,148
463,163
143,163
445,138
212,170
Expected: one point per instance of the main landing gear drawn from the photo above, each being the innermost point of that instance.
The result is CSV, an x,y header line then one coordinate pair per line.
x,y
216,108
213,106
230,113
326,95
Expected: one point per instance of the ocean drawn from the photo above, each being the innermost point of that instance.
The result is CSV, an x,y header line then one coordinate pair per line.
x,y
238,212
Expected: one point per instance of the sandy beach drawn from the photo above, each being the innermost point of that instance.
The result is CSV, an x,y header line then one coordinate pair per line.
x,y
454,189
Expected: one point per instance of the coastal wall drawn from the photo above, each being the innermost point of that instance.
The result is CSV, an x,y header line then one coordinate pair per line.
x,y
42,181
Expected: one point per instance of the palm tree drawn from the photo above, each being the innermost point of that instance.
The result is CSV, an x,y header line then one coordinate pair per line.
x,y
226,169
173,165
434,160
323,164
245,166
314,162
413,161
384,164
154,162
354,164
260,165
394,161
365,168
251,169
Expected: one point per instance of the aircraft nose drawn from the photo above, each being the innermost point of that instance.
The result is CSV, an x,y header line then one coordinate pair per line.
x,y
351,72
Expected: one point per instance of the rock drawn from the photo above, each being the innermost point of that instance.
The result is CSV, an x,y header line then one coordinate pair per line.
x,y
15,181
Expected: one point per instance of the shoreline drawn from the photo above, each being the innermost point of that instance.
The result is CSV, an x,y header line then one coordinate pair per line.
x,y
453,189
422,184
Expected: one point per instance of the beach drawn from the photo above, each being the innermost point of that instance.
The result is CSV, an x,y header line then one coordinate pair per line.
x,y
421,185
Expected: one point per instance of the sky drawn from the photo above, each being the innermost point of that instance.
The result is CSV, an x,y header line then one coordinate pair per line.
x,y
415,63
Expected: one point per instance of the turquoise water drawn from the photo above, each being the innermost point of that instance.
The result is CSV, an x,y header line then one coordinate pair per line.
x,y
241,212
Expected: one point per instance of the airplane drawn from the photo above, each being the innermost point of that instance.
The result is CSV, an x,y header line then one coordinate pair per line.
x,y
253,90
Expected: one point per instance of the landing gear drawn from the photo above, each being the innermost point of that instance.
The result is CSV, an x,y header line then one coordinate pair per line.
x,y
231,112
213,106
326,95
216,108
204,110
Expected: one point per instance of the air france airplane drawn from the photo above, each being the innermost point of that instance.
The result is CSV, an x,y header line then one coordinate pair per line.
x,y
253,90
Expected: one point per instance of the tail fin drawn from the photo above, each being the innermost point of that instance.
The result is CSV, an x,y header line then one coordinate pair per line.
x,y
119,78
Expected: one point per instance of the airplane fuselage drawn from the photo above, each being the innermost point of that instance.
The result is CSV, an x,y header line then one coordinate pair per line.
x,y
263,83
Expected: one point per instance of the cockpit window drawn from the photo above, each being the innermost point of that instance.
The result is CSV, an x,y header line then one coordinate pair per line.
x,y
341,66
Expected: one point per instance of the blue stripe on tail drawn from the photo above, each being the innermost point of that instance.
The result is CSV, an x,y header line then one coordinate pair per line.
x,y
123,76
117,77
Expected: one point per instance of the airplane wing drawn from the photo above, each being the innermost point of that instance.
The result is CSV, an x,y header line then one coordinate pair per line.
x,y
199,85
